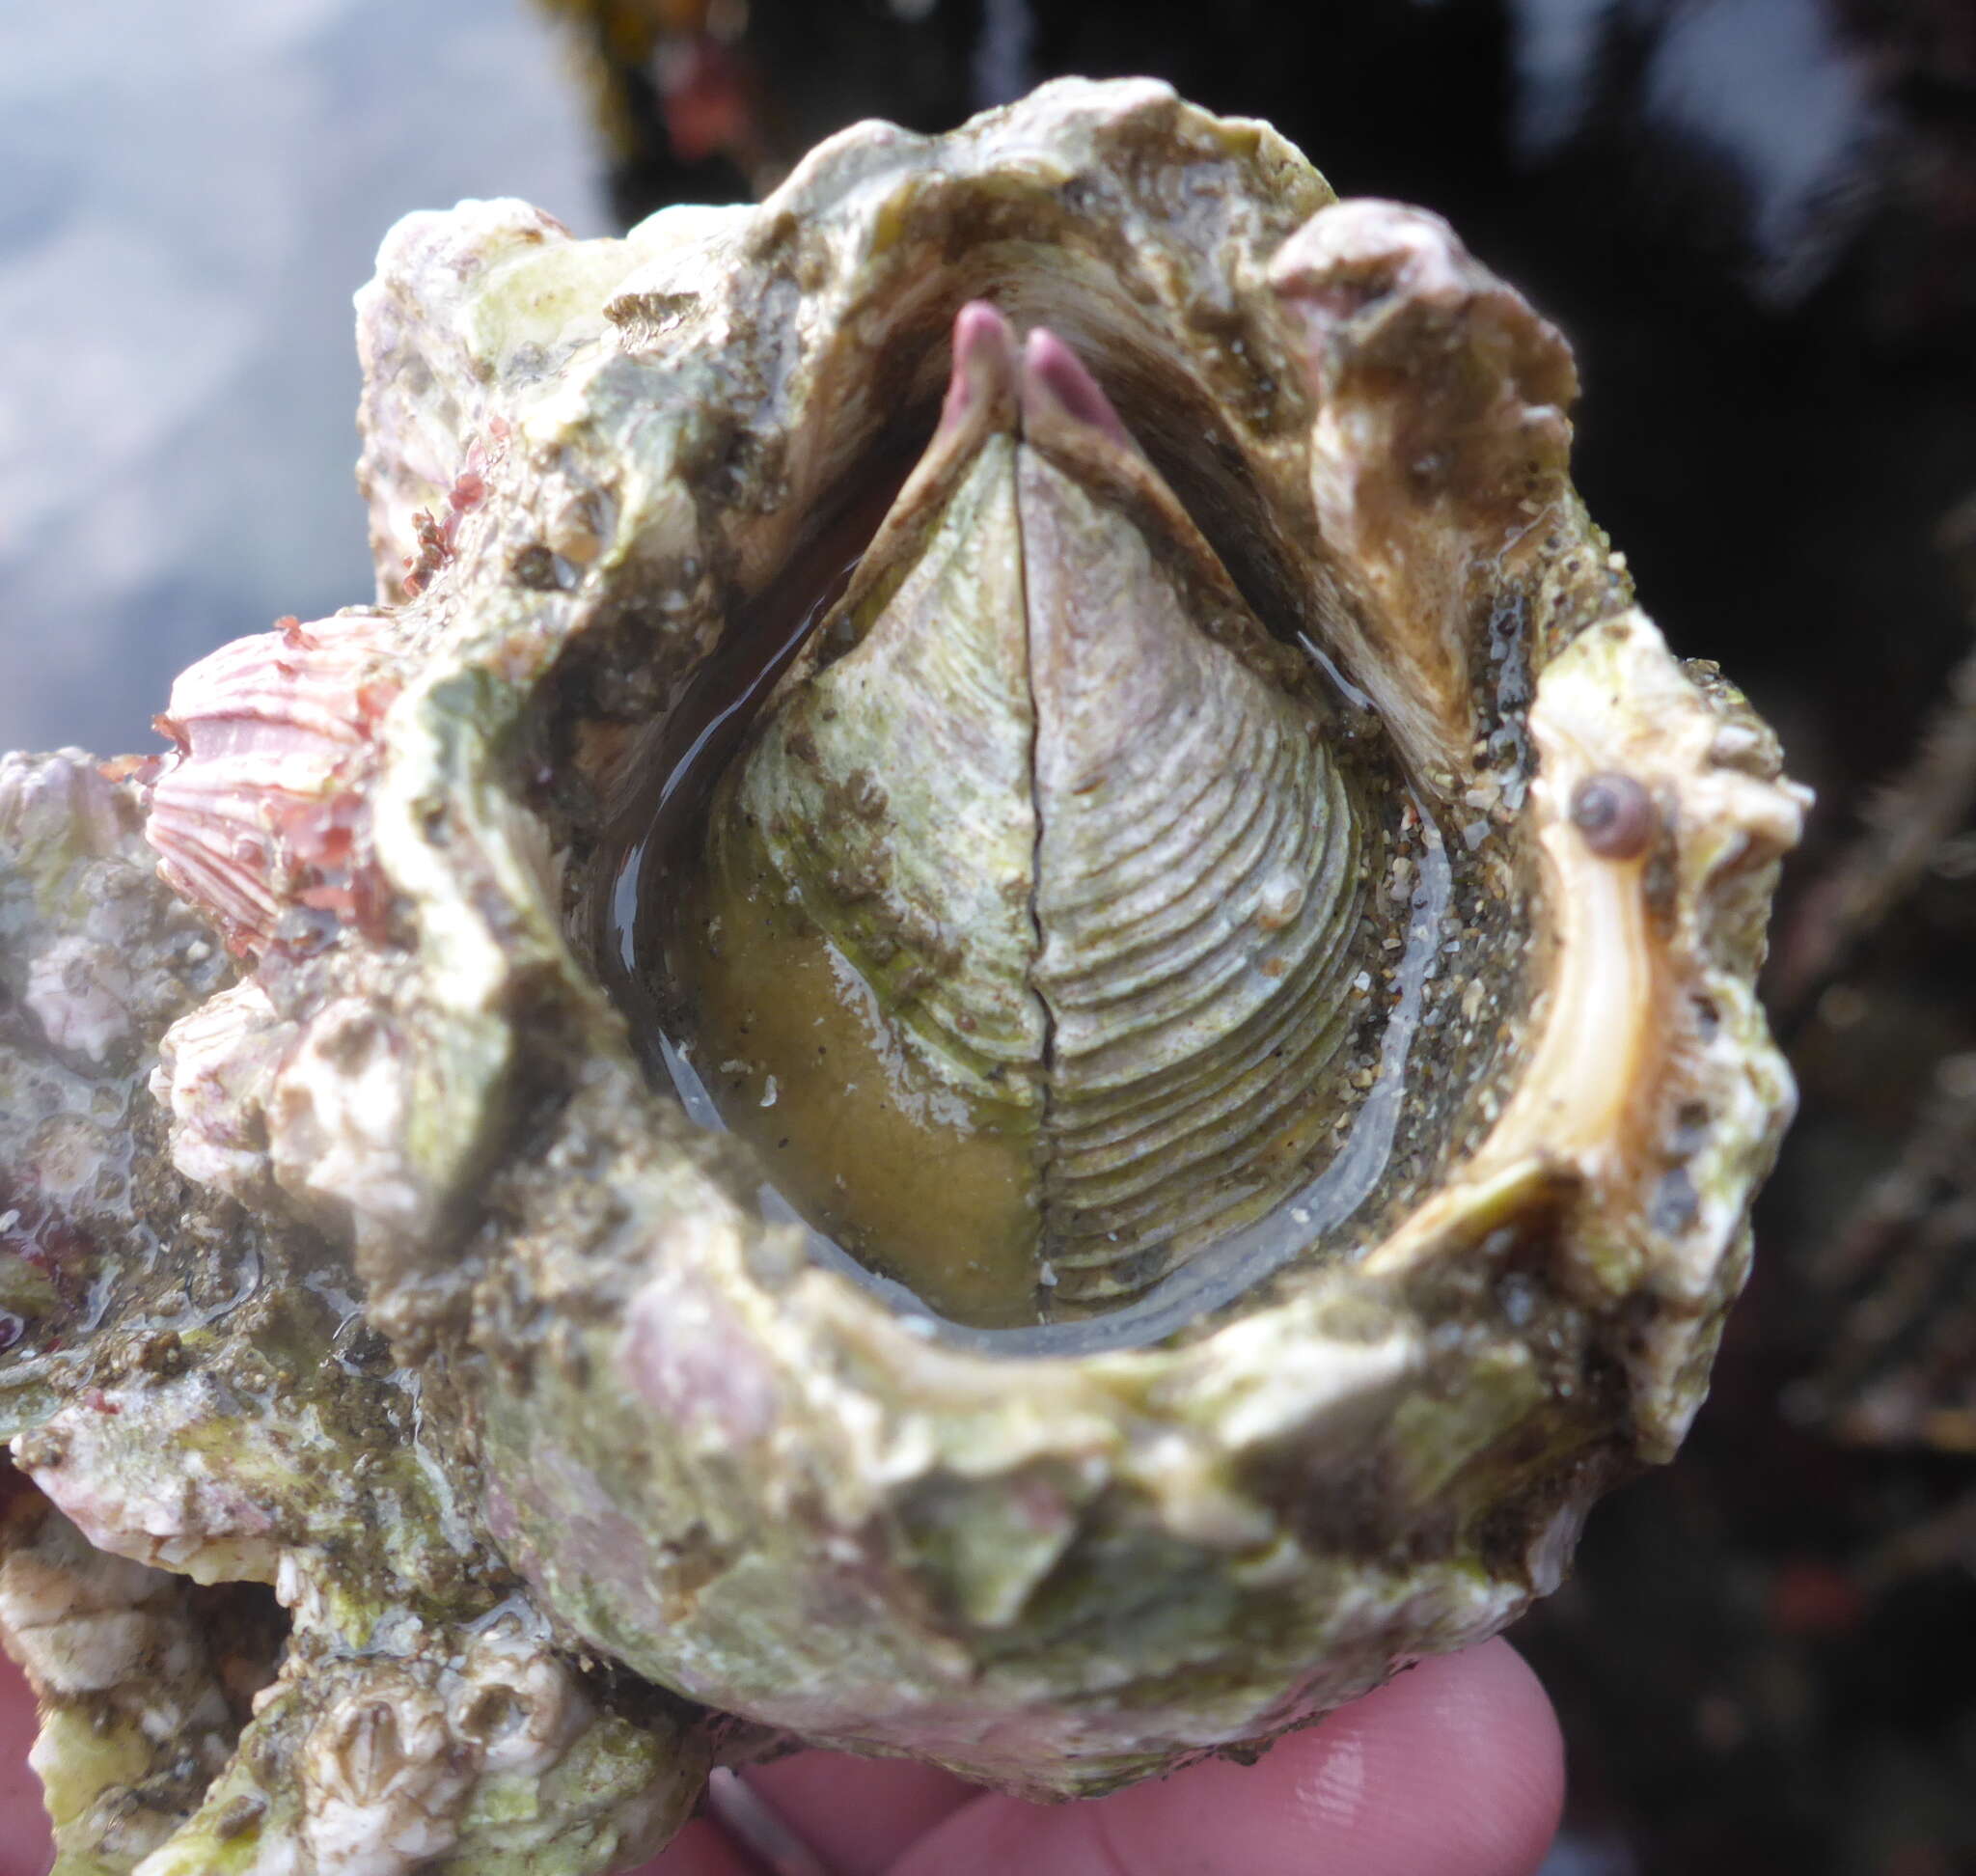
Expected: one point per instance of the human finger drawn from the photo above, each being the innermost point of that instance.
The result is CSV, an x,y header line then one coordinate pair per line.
x,y
859,1814
26,1847
1454,1768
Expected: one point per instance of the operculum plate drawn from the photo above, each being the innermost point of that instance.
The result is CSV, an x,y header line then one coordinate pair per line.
x,y
860,973
896,790
1025,940
1198,885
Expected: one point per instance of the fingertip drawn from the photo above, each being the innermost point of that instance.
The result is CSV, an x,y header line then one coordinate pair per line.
x,y
1508,1712
1454,1768
26,1843
1465,1768
859,1814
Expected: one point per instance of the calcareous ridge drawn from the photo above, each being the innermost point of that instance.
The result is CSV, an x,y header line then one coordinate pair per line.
x,y
1003,1010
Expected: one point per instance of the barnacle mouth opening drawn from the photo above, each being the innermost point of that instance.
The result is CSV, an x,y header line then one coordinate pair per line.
x,y
1059,1217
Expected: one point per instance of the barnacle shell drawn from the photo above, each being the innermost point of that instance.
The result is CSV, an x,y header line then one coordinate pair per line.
x,y
212,1426
633,1409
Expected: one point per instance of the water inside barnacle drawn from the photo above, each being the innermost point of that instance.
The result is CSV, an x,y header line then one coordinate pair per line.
x,y
1299,1223
1034,932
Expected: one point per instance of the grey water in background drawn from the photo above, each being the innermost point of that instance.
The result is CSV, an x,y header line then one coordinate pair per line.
x,y
190,191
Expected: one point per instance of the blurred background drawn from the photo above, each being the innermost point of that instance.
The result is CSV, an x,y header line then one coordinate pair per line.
x,y
1756,219
190,191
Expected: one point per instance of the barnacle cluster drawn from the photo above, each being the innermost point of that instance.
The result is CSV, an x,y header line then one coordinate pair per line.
x,y
1003,1010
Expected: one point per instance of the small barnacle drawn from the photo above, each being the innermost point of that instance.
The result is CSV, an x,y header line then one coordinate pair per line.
x,y
960,951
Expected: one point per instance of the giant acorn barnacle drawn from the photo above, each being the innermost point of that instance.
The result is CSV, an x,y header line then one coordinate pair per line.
x,y
1004,1012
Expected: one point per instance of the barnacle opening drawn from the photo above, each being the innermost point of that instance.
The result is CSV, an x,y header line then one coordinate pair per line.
x,y
933,1213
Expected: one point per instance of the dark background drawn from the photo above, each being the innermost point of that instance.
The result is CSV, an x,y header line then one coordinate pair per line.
x,y
1756,219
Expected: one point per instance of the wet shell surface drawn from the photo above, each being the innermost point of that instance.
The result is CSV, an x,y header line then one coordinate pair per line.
x,y
1003,1010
